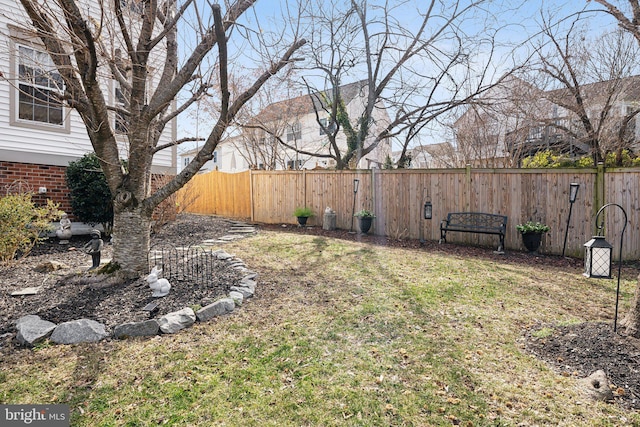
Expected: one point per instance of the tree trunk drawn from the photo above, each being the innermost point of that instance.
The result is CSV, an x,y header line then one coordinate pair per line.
x,y
131,233
631,322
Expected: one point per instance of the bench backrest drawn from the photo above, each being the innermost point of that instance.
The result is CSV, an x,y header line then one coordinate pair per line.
x,y
476,221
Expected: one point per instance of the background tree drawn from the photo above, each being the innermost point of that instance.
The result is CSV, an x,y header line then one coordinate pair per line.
x,y
586,82
414,60
629,20
91,198
155,50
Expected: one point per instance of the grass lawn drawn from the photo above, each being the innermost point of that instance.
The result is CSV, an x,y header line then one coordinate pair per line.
x,y
341,333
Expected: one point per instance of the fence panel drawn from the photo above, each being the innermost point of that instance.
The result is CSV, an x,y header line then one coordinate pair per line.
x,y
218,193
397,198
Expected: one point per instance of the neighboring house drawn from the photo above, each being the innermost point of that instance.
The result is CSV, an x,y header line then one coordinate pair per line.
x,y
225,158
431,156
294,121
39,135
514,120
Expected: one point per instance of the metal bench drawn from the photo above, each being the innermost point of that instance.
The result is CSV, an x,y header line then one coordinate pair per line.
x,y
474,222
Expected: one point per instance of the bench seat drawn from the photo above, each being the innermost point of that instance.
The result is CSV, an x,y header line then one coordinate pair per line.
x,y
474,222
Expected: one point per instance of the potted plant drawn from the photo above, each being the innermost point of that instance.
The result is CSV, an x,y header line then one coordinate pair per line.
x,y
302,213
365,218
532,234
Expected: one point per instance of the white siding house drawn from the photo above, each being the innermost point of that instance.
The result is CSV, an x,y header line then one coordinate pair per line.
x,y
294,121
38,135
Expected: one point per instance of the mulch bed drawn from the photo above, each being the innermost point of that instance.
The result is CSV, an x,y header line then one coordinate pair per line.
x,y
69,294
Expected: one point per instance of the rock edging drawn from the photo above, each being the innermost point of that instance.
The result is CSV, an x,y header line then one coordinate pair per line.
x,y
33,330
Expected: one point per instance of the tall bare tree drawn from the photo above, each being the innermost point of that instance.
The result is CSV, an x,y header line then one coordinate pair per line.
x,y
415,62
587,84
186,47
629,20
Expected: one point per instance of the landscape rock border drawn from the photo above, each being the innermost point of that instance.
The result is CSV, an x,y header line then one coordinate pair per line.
x,y
33,330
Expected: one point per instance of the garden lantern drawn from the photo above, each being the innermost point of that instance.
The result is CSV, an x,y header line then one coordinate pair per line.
x,y
597,258
573,194
428,210
356,184
573,191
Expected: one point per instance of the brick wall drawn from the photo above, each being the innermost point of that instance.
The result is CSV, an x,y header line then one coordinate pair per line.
x,y
33,176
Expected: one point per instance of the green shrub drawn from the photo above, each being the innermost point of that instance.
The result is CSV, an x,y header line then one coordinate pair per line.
x,y
22,225
532,227
364,213
303,212
91,199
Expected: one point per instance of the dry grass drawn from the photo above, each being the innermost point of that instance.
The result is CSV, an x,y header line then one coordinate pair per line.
x,y
340,333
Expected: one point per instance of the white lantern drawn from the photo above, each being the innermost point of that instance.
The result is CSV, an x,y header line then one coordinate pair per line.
x,y
597,258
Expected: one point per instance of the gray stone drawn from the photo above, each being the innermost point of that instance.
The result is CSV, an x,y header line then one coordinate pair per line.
x,y
218,308
32,329
237,297
251,275
137,329
248,283
77,331
49,266
176,321
223,255
246,292
242,230
596,386
26,291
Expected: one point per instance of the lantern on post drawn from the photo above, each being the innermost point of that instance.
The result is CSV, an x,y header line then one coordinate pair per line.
x,y
597,258
573,194
428,210
356,184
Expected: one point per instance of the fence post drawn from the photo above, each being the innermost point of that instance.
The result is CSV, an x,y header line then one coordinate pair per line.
x,y
251,208
599,190
467,184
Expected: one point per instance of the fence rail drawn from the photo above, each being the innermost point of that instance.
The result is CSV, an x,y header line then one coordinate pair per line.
x,y
397,198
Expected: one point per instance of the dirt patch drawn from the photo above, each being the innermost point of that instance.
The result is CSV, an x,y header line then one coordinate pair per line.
x,y
69,293
579,350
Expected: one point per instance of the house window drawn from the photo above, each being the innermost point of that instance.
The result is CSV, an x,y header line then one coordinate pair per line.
x,y
120,126
186,161
294,164
294,132
327,126
40,86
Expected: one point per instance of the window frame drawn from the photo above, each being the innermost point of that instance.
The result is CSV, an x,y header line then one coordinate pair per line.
x,y
18,40
294,132
329,124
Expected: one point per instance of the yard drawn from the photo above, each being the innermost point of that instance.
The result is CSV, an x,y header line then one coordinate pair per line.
x,y
356,332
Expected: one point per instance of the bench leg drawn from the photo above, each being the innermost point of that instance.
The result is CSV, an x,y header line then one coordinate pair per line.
x,y
501,246
443,236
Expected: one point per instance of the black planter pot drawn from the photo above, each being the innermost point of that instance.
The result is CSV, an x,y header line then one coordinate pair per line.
x,y
302,220
532,241
365,224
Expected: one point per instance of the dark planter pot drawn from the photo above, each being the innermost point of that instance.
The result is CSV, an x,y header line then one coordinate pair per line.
x,y
532,241
302,220
365,224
